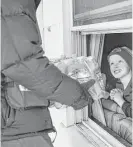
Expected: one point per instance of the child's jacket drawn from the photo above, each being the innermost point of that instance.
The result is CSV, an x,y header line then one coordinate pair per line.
x,y
127,95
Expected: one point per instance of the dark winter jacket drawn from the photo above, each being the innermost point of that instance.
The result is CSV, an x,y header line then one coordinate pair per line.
x,y
25,112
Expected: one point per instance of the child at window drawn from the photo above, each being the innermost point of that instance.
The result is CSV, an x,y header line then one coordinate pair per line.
x,y
120,62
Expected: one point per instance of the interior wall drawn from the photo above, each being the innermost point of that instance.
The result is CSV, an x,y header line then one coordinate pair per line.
x,y
111,41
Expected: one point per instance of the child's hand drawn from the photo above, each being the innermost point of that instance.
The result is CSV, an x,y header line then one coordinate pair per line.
x,y
116,93
117,96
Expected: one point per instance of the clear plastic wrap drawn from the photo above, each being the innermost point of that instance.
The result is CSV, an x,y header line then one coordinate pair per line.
x,y
83,69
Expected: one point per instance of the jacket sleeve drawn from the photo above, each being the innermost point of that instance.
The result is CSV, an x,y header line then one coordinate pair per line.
x,y
127,95
36,73
127,106
127,109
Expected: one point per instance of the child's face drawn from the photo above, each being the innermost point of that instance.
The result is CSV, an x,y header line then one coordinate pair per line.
x,y
118,66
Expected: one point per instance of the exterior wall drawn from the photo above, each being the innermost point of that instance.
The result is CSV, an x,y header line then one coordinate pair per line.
x,y
67,24
53,28
55,21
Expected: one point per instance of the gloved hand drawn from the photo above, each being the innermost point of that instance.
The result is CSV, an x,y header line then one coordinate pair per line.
x,y
85,86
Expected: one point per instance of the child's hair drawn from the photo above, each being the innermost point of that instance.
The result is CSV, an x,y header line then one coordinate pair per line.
x,y
124,52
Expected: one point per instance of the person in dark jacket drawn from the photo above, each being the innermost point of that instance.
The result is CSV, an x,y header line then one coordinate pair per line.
x,y
120,61
25,117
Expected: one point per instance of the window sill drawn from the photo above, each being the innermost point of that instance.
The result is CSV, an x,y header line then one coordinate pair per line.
x,y
97,135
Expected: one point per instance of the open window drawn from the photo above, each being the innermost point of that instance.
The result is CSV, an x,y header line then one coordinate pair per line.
x,y
98,40
99,45
96,32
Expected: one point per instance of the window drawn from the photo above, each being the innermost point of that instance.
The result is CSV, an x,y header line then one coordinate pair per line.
x,y
98,42
91,33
